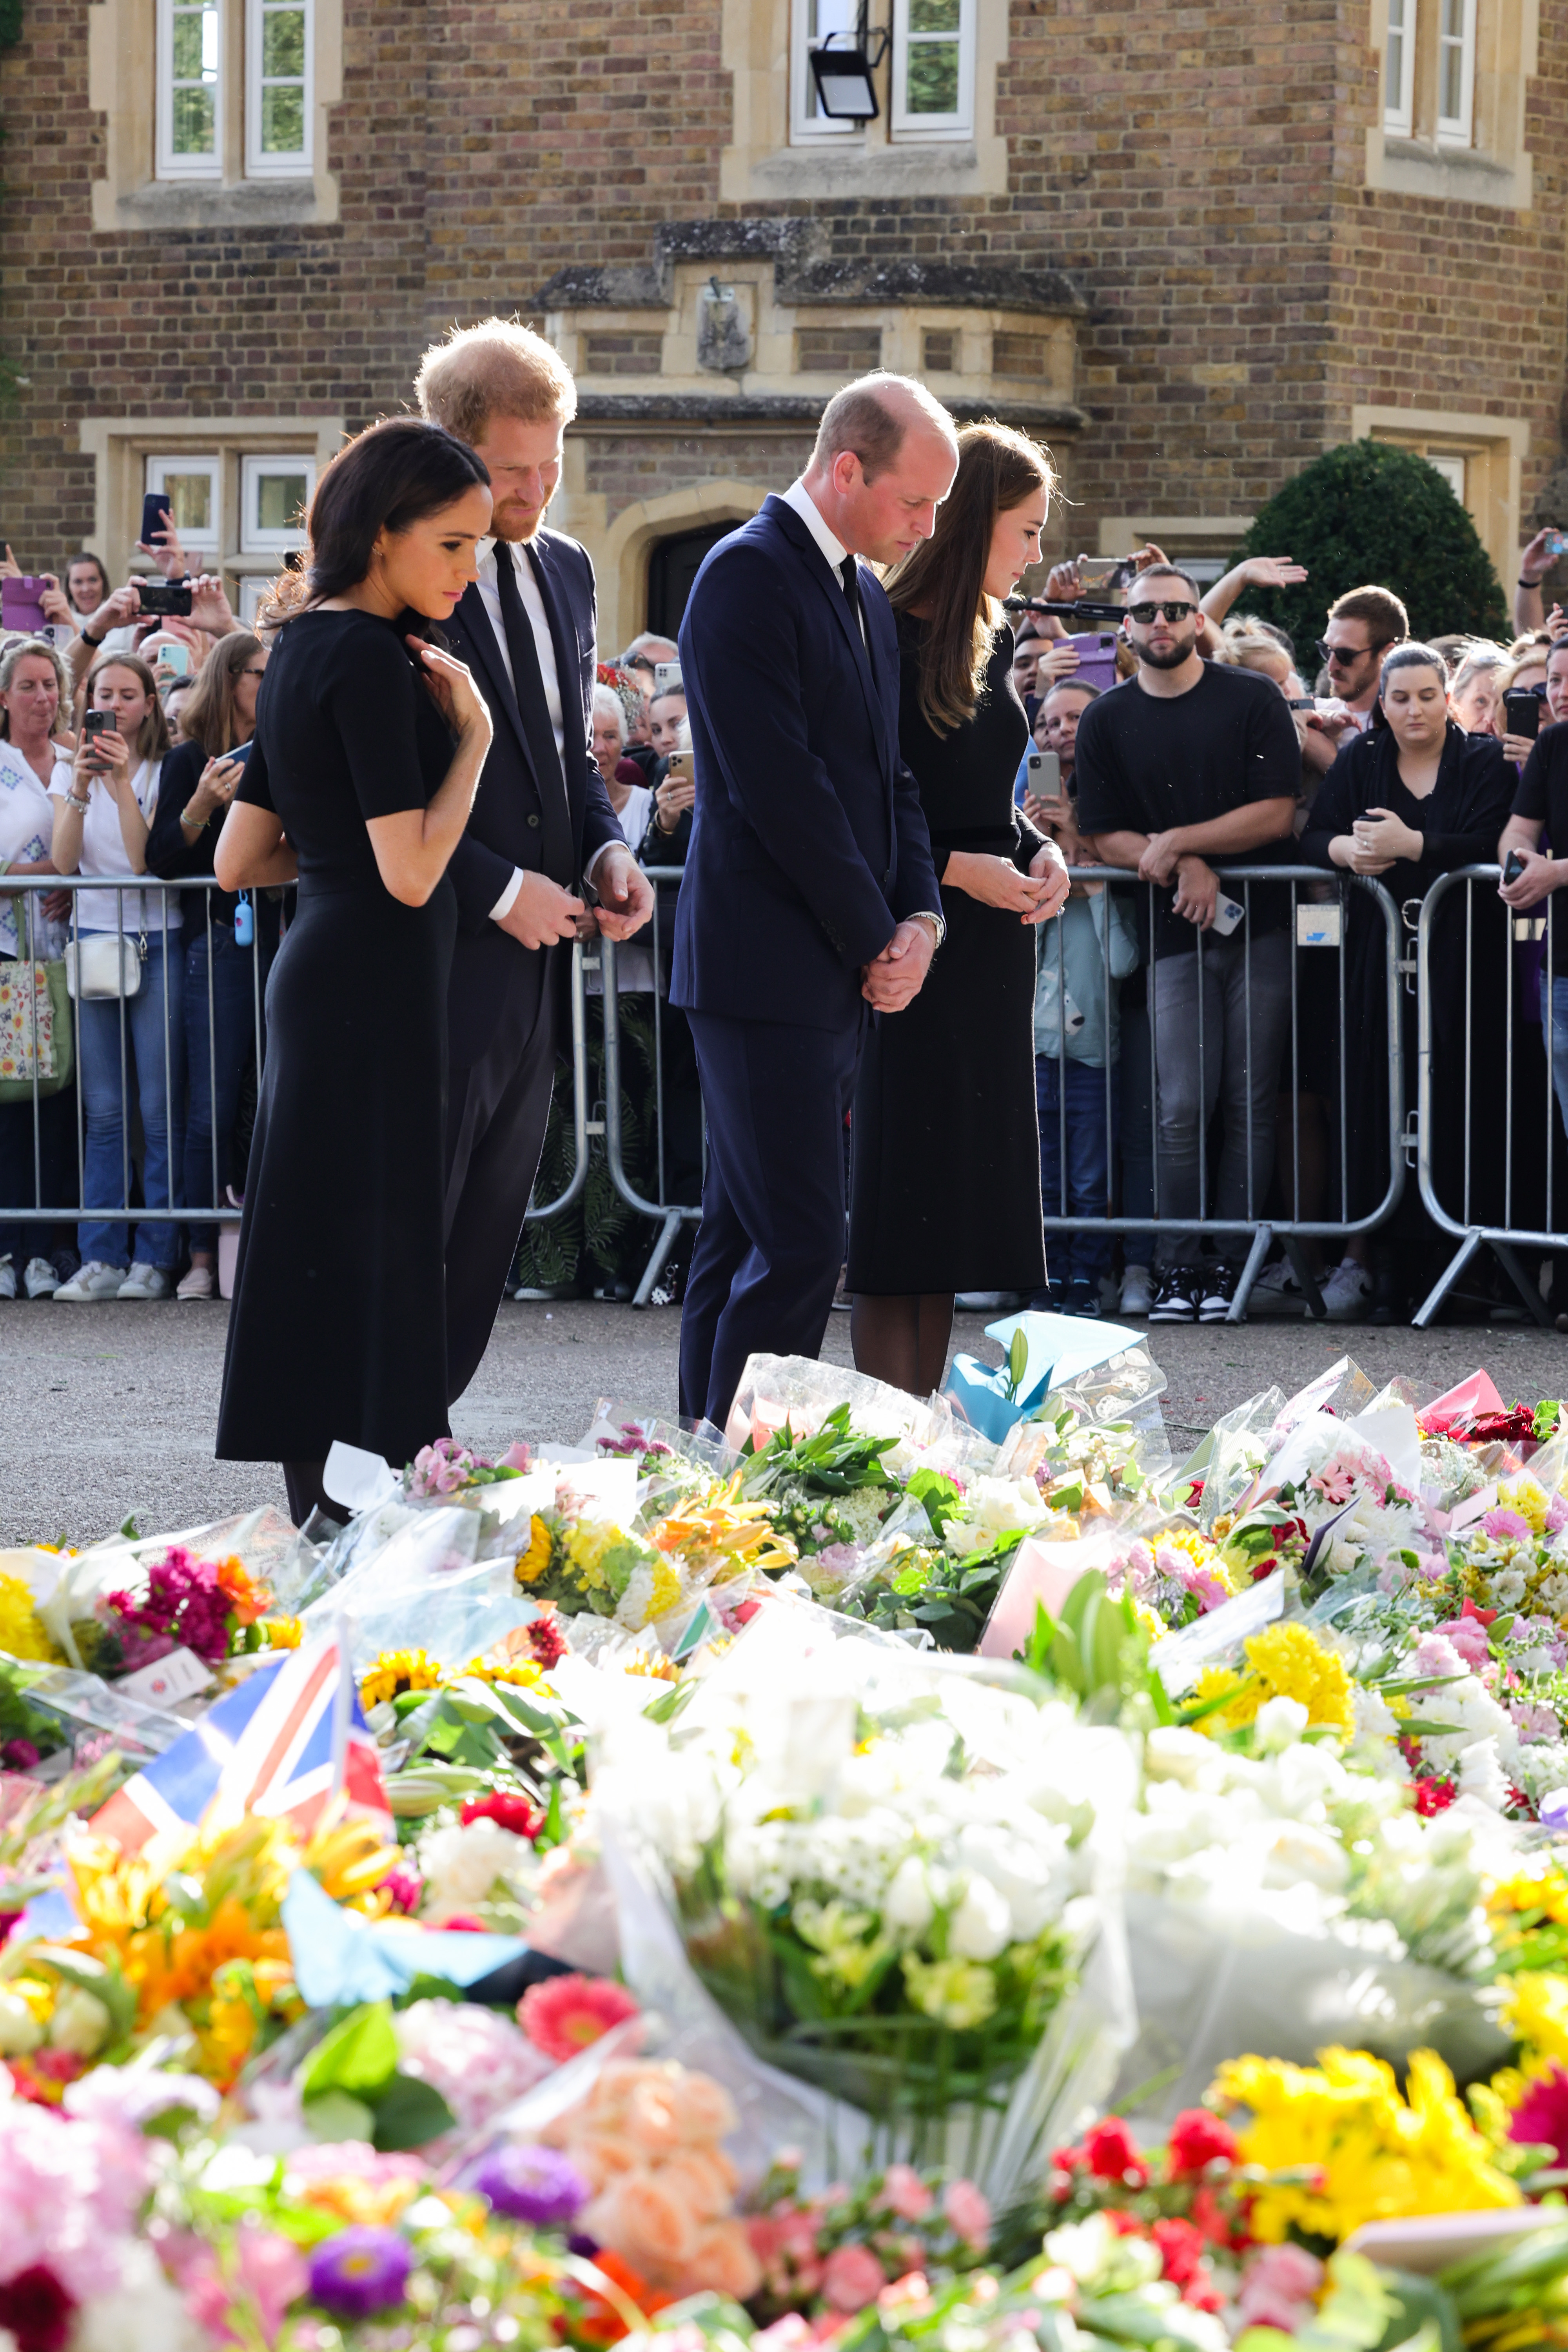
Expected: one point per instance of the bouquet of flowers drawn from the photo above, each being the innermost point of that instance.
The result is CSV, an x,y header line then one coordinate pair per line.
x,y
834,2254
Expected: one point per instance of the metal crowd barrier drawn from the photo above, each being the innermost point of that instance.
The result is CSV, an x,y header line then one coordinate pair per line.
x,y
1507,1237
1324,928
670,1216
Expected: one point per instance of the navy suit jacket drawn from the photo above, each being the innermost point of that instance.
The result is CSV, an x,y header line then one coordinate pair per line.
x,y
505,828
809,845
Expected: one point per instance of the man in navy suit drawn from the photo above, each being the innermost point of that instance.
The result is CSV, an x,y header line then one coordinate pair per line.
x,y
809,892
542,829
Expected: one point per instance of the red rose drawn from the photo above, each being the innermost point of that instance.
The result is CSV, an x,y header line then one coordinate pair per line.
x,y
1199,2139
512,1811
1181,2250
36,2310
1114,2155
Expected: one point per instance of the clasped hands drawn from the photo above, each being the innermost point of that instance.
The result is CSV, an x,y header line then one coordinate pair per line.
x,y
1379,840
543,911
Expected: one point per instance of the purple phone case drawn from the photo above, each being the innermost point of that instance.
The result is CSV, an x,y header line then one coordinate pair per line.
x,y
1095,658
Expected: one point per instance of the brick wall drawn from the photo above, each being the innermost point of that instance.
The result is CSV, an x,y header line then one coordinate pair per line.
x,y
623,469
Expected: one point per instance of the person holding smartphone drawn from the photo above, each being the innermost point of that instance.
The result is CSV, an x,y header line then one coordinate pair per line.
x,y
1531,874
222,987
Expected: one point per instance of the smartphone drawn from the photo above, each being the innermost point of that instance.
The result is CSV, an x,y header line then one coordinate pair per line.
x,y
95,723
1042,776
178,659
666,679
155,505
1228,913
21,603
1557,543
680,768
1302,701
165,597
1522,714
1096,659
1514,866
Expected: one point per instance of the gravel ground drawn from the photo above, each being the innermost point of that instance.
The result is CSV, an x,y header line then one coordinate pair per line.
x,y
112,1410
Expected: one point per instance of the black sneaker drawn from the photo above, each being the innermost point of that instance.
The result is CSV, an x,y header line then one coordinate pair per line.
x,y
1082,1297
1218,1291
1176,1300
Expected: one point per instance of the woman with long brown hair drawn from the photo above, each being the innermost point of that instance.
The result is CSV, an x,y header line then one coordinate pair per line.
x,y
945,1194
222,985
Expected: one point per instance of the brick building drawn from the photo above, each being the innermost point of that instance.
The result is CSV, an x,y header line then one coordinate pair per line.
x,y
1189,247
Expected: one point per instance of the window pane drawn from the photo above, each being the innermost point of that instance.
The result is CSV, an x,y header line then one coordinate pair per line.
x,y
1453,19
194,122
279,498
932,86
190,45
934,16
282,122
283,43
189,497
1451,82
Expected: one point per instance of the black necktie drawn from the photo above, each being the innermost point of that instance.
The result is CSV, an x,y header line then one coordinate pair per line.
x,y
539,733
849,574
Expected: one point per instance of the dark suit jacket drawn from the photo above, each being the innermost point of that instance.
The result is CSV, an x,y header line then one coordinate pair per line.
x,y
504,829
809,845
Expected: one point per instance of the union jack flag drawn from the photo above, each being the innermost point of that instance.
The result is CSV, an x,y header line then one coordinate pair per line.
x,y
283,1745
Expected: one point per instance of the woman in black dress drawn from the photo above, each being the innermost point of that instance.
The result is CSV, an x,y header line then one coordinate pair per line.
x,y
1413,798
945,1192
369,744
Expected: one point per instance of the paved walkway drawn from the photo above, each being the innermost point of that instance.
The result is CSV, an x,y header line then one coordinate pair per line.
x,y
111,1410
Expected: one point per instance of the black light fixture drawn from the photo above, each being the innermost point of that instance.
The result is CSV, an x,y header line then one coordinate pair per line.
x,y
845,89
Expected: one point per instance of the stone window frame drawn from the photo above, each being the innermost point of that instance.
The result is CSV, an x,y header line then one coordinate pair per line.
x,y
122,446
1494,449
1479,157
122,85
757,44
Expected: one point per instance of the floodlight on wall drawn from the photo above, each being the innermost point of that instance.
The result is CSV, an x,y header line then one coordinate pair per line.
x,y
845,89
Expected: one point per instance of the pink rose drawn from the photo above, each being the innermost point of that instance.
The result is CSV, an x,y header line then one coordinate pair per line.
x,y
1281,2275
722,2262
905,2193
637,2218
1469,1636
852,2277
968,2214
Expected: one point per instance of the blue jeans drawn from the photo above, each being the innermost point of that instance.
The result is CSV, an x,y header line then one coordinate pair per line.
x,y
155,1065
215,1062
1088,1150
1560,1044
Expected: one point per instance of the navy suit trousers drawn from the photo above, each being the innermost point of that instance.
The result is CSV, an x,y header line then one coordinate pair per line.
x,y
771,1243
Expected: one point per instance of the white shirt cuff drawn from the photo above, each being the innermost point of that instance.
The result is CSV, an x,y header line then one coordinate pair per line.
x,y
508,899
604,846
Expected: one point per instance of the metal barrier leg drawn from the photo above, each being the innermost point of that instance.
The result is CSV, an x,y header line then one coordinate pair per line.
x,y
668,1235
1261,1239
1445,1283
1529,1291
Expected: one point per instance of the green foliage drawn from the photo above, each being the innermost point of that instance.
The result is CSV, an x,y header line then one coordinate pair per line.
x,y
1096,1648
353,2087
1369,515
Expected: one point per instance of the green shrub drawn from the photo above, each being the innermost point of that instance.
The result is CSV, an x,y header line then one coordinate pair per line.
x,y
1369,515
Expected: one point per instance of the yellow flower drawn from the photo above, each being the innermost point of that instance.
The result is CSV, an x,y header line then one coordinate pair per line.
x,y
1371,2156
665,1593
397,1671
1287,1662
523,1673
533,1562
21,1633
1528,1497
1536,2010
281,1633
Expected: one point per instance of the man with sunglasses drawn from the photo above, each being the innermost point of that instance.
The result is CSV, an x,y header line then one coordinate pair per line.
x,y
1362,624
1189,767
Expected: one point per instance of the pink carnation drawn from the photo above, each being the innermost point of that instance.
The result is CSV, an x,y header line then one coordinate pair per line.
x,y
905,2193
1557,1515
1469,1636
968,2214
1434,1654
1280,2287
851,2278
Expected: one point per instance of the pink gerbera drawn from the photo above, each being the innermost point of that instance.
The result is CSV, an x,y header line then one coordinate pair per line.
x,y
1540,2118
565,2014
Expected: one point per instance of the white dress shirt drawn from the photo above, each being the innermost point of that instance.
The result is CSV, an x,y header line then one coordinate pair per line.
x,y
488,554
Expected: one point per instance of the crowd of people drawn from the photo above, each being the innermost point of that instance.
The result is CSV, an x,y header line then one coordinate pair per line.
x,y
1199,1062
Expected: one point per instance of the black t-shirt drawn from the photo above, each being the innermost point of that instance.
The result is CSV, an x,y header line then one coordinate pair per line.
x,y
1543,794
1144,762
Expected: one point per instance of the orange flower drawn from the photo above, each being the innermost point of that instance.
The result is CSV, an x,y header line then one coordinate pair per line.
x,y
246,1597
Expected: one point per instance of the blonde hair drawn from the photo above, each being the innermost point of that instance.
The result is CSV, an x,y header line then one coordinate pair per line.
x,y
499,368
1248,644
1479,656
15,652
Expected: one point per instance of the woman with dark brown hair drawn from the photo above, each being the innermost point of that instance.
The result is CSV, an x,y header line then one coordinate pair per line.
x,y
945,1194
222,987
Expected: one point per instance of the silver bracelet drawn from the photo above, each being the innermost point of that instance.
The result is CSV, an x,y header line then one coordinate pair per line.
x,y
81,807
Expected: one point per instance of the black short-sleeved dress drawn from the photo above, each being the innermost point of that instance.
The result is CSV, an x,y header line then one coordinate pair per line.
x,y
338,1325
945,1194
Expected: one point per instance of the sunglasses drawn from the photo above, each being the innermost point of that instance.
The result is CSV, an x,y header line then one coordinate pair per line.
x,y
1144,613
1337,655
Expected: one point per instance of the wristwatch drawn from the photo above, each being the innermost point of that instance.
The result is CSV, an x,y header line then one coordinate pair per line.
x,y
88,639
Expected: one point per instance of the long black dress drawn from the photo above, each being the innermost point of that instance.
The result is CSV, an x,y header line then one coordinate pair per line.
x,y
945,1192
1459,822
338,1325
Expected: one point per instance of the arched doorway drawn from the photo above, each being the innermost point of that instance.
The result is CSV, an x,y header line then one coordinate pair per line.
x,y
673,564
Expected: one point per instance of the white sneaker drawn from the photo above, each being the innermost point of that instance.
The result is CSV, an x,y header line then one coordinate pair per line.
x,y
1347,1294
1277,1291
145,1281
91,1282
198,1283
988,1302
7,1278
1137,1291
40,1279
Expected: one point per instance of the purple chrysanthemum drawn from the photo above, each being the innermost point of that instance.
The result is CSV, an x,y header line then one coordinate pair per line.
x,y
532,2184
360,2271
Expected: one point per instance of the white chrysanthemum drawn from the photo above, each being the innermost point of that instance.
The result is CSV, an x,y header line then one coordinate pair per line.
x,y
462,1863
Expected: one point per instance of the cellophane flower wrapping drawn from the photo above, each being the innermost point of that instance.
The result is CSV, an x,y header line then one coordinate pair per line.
x,y
875,1878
